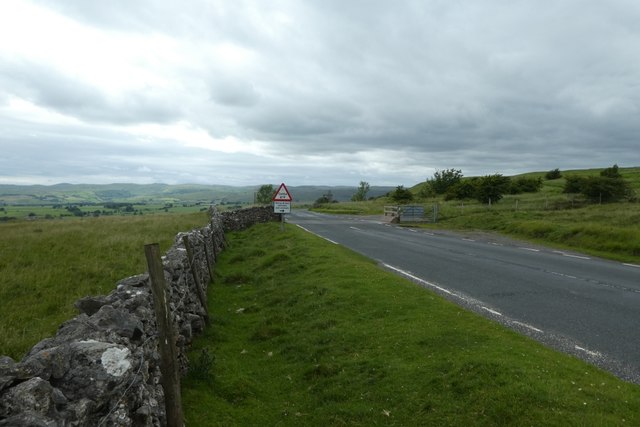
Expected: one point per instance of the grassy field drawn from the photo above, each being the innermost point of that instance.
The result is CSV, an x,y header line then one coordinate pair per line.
x,y
308,333
46,265
550,217
56,211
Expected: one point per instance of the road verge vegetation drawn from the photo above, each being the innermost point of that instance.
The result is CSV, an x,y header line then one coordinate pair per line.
x,y
305,332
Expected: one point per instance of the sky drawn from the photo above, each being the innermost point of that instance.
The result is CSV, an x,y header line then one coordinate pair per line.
x,y
324,92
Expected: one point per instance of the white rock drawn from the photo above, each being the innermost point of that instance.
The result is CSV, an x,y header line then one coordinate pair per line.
x,y
116,361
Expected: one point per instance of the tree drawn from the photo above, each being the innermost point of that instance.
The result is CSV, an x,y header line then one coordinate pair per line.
x,y
426,191
361,193
401,195
573,185
525,185
611,172
553,174
324,199
443,180
605,189
265,194
463,190
608,187
490,188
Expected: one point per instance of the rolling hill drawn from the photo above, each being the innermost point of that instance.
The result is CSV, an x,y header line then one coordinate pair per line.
x,y
65,194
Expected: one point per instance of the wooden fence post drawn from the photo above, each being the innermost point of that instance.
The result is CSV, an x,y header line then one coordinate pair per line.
x,y
207,257
200,291
166,338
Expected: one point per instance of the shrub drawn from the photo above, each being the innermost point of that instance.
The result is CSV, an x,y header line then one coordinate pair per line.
x,y
604,188
462,190
491,188
611,172
525,185
553,174
401,195
573,184
443,180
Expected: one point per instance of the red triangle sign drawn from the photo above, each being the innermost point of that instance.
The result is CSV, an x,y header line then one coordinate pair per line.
x,y
282,195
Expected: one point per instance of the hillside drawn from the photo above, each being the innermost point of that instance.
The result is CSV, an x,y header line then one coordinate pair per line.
x,y
64,194
631,174
549,216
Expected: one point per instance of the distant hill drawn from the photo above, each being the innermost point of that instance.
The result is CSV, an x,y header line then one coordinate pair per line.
x,y
631,174
65,194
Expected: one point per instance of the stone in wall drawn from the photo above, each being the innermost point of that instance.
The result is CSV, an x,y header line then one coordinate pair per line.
x,y
244,218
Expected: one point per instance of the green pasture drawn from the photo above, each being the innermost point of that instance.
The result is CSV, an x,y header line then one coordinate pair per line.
x,y
46,265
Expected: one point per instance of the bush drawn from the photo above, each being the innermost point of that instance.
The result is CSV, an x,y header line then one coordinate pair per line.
x,y
573,185
553,174
401,195
525,185
426,191
611,172
604,188
443,180
491,188
265,194
462,190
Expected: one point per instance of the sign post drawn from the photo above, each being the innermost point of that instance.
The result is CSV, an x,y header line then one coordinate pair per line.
x,y
282,203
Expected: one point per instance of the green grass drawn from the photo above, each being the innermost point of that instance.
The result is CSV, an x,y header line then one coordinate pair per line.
x,y
45,266
52,212
304,332
371,207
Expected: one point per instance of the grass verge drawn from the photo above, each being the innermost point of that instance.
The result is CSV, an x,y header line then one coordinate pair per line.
x,y
45,266
305,332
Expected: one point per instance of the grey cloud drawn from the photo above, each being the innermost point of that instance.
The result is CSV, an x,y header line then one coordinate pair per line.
x,y
49,88
234,93
481,86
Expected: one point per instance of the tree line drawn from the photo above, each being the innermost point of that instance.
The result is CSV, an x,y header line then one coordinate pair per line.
x,y
608,186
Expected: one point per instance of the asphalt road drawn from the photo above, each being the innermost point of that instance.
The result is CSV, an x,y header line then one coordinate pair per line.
x,y
578,304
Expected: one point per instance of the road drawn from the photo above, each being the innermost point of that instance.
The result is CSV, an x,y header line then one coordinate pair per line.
x,y
578,304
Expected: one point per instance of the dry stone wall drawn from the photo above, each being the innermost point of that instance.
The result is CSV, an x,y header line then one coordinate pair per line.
x,y
102,367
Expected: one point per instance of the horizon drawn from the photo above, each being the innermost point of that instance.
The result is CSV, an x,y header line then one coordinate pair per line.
x,y
354,185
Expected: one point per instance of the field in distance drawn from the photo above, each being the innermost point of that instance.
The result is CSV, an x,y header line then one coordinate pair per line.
x,y
21,200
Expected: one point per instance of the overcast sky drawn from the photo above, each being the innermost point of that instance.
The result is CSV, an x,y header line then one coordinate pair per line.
x,y
314,92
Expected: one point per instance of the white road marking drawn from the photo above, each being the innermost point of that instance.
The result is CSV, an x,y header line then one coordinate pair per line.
x,y
317,235
413,231
563,275
417,279
470,301
355,228
533,328
589,352
468,240
497,313
570,255
631,265
576,256
529,249
496,244
430,234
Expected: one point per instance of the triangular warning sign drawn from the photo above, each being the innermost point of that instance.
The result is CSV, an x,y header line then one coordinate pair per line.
x,y
282,195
